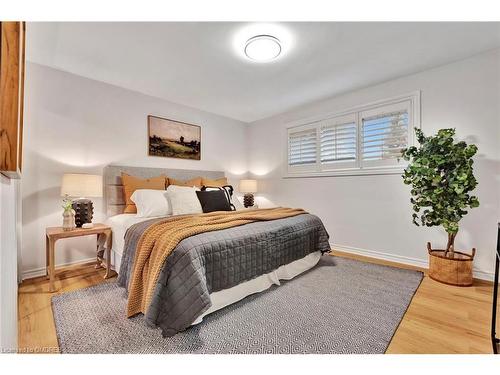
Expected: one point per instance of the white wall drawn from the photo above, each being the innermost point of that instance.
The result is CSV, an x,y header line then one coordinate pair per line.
x,y
373,212
80,125
74,124
8,264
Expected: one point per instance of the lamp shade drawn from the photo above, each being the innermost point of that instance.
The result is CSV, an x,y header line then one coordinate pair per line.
x,y
248,186
81,185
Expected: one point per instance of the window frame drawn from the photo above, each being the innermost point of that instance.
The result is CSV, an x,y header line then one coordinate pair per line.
x,y
319,169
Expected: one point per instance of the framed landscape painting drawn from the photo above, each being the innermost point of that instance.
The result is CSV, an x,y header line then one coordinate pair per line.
x,y
174,139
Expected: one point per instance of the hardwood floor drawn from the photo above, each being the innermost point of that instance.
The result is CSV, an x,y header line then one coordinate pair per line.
x,y
440,319
36,330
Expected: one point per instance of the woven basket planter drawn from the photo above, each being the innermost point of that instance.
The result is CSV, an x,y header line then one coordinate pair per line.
x,y
453,271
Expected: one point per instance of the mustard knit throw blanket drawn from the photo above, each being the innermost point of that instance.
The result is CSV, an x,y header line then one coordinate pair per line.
x,y
160,239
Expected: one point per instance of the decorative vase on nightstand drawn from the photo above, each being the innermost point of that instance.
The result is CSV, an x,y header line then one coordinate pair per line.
x,y
68,215
84,211
248,200
248,187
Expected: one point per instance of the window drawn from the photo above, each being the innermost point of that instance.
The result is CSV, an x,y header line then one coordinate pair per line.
x,y
385,132
365,140
338,142
302,147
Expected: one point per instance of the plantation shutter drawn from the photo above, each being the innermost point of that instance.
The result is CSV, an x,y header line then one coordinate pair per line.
x,y
338,142
367,140
302,147
384,133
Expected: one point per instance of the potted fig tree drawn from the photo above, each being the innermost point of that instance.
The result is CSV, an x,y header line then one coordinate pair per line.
x,y
440,173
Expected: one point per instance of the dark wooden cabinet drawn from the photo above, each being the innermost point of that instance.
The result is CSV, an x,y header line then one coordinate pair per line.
x,y
12,64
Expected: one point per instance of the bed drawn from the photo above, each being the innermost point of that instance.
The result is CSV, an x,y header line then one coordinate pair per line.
x,y
209,270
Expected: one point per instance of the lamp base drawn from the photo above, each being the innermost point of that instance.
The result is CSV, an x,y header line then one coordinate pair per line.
x,y
84,211
248,200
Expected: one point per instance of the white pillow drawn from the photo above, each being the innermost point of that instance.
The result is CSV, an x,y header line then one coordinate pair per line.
x,y
237,204
183,200
151,203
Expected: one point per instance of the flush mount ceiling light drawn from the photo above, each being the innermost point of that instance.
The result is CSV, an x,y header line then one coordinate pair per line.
x,y
262,48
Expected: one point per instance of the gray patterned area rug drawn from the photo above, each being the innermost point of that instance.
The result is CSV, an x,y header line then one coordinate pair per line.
x,y
340,306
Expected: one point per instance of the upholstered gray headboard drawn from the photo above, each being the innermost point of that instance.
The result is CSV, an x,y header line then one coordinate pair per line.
x,y
113,187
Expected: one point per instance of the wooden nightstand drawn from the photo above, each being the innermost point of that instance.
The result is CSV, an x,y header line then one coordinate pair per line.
x,y
254,207
52,234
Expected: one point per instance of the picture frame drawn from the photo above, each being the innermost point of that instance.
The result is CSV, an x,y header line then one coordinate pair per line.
x,y
173,139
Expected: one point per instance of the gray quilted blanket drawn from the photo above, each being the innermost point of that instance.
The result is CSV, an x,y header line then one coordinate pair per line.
x,y
212,261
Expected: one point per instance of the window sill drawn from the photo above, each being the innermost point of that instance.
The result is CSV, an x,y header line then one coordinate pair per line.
x,y
348,172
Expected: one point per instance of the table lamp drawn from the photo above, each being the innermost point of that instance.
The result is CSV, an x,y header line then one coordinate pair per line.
x,y
82,186
248,187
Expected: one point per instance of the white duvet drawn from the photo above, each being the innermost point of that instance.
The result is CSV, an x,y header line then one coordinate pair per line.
x,y
119,225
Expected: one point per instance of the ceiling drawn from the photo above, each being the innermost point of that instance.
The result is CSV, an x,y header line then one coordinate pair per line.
x,y
197,64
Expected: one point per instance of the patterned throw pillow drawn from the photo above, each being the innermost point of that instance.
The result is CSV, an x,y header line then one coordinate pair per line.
x,y
228,191
213,200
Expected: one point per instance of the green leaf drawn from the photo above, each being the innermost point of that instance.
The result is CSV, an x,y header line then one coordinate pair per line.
x,y
440,173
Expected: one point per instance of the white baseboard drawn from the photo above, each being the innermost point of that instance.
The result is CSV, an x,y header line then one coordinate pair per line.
x,y
478,274
483,275
37,272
